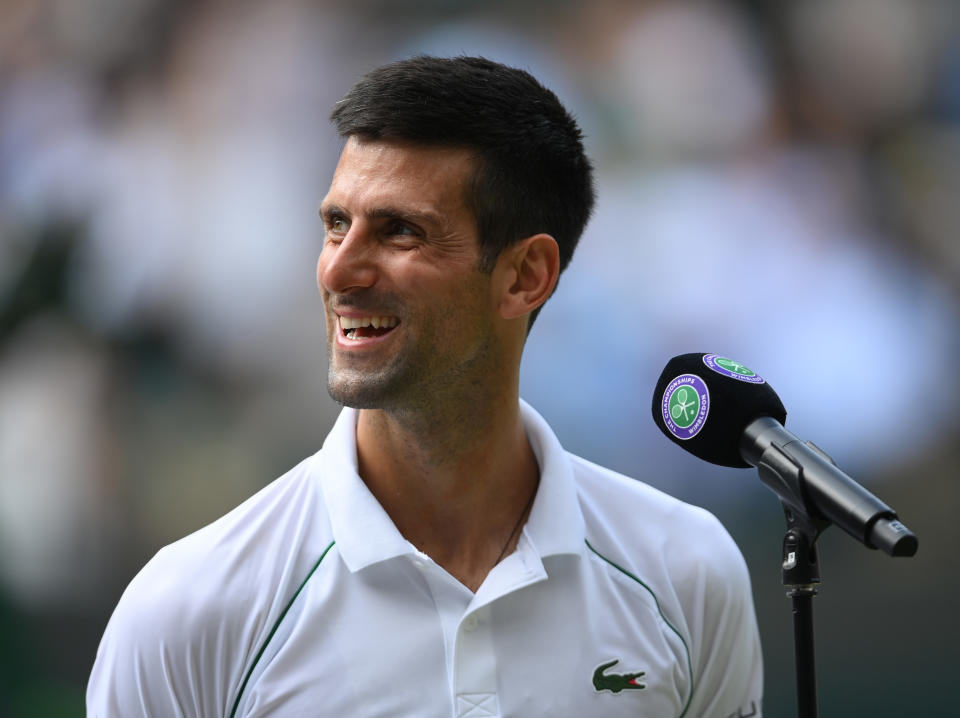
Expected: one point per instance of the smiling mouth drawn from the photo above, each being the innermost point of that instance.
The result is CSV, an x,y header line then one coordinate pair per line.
x,y
357,328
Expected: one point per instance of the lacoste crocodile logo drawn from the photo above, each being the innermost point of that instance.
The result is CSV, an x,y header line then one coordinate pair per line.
x,y
616,682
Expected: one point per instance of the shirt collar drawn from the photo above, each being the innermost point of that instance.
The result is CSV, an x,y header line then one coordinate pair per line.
x,y
362,529
555,525
366,535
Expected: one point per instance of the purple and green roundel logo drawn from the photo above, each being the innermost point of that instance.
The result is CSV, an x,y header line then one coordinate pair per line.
x,y
685,405
732,369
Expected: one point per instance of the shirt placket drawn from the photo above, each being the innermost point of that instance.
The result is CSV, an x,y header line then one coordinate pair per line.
x,y
475,667
474,661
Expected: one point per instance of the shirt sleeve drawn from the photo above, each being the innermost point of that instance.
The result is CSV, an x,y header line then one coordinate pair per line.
x,y
167,650
726,657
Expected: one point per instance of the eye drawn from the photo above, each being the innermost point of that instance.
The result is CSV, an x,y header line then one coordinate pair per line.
x,y
336,225
402,229
402,235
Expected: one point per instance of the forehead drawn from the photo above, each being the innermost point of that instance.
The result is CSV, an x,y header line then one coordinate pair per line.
x,y
373,173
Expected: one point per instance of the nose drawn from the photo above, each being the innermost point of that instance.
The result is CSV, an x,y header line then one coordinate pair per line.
x,y
348,264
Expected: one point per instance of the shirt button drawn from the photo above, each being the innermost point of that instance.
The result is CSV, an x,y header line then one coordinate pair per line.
x,y
470,622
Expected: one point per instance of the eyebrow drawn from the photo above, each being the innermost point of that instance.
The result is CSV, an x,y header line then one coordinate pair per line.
x,y
386,212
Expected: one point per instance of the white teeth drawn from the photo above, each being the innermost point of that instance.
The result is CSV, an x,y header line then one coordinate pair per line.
x,y
347,323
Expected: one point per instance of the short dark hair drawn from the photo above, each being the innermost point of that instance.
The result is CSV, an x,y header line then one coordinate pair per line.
x,y
532,172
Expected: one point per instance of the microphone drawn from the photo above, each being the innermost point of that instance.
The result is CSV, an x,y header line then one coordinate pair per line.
x,y
725,413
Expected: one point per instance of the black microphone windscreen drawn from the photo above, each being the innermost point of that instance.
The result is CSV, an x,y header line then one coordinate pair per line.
x,y
704,402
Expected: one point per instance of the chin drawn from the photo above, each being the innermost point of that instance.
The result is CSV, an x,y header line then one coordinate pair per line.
x,y
359,392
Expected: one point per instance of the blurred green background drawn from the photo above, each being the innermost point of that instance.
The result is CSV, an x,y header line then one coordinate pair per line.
x,y
778,181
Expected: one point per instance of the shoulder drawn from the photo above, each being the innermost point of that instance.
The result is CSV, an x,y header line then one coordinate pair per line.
x,y
241,559
199,604
617,505
680,547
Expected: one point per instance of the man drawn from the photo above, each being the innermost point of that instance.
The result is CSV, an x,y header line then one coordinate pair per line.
x,y
441,555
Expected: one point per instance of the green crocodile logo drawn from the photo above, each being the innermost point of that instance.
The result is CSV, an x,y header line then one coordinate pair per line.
x,y
616,682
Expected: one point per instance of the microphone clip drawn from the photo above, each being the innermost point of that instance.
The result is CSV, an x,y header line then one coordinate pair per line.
x,y
801,562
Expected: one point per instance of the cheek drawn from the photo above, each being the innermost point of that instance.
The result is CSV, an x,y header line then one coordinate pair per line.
x,y
468,308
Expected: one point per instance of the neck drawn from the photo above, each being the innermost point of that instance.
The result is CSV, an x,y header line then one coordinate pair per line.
x,y
456,482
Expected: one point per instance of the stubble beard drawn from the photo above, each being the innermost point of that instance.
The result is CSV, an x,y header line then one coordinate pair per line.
x,y
414,381
364,388
436,367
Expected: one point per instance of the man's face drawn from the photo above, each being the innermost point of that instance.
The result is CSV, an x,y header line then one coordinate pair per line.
x,y
409,314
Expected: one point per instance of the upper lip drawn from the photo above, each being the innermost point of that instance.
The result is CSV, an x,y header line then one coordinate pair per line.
x,y
360,314
344,308
377,320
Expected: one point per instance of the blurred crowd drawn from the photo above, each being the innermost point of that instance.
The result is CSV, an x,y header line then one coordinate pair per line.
x,y
778,182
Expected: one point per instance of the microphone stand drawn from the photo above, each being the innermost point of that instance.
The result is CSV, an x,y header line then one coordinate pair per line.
x,y
801,576
800,566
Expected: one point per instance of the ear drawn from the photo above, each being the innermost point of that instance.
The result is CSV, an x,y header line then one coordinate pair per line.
x,y
528,272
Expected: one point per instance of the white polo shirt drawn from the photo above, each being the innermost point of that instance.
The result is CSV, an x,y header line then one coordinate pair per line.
x,y
306,601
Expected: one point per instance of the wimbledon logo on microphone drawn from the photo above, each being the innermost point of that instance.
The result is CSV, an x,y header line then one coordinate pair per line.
x,y
732,369
685,405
